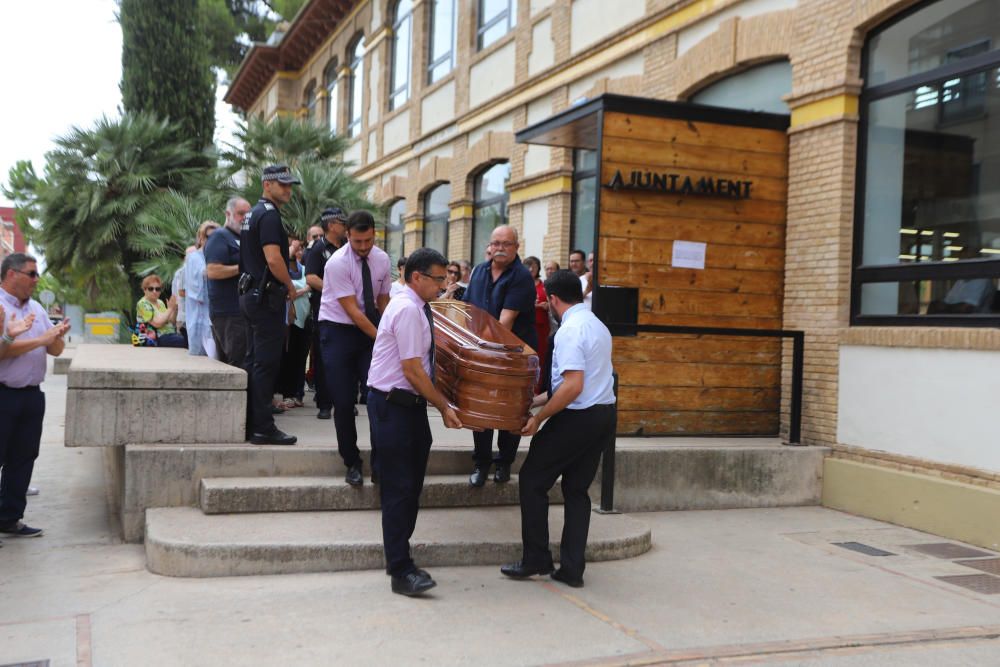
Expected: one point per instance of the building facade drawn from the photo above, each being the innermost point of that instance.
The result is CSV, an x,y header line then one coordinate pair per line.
x,y
890,244
11,238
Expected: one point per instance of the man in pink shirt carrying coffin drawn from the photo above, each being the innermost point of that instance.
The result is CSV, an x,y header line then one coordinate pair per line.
x,y
356,282
400,385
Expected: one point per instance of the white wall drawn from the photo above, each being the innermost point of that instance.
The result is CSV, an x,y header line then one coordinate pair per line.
x,y
437,108
491,75
536,226
397,132
938,405
593,20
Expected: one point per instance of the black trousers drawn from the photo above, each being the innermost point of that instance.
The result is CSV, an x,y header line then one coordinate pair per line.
x,y
267,340
21,415
403,438
231,336
323,400
569,444
347,355
292,380
507,443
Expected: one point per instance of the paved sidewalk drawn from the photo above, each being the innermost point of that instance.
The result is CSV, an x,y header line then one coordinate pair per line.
x,y
737,586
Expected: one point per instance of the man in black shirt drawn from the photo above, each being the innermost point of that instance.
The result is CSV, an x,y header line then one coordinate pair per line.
x,y
265,292
222,257
333,221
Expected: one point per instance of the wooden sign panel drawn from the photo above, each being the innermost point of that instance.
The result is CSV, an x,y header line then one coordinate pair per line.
x,y
665,180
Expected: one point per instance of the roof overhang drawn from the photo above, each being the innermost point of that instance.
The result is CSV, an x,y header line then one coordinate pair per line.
x,y
312,26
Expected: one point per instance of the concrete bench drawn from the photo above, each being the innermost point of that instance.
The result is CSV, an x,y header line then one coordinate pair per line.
x,y
119,394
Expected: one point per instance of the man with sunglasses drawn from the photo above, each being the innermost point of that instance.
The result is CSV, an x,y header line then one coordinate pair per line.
x,y
22,403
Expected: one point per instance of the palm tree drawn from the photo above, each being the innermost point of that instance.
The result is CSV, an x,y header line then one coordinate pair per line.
x,y
97,183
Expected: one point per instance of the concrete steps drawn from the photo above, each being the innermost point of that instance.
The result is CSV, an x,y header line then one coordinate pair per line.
x,y
184,542
232,495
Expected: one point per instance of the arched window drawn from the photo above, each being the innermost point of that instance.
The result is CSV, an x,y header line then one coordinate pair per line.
x,y
330,82
759,88
490,206
927,225
309,102
357,85
402,38
441,45
436,213
495,19
394,231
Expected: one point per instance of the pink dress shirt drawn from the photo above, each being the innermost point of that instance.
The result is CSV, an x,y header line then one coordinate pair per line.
x,y
342,277
403,333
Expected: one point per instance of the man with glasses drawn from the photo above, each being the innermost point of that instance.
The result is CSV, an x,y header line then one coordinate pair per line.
x,y
400,387
22,403
222,259
356,281
503,287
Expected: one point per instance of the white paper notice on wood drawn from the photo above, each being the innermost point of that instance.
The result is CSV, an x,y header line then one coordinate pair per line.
x,y
688,255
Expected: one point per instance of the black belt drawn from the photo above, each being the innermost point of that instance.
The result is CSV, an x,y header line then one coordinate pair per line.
x,y
338,324
401,397
30,387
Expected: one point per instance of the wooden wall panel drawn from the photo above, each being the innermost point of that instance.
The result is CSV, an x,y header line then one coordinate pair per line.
x,y
688,384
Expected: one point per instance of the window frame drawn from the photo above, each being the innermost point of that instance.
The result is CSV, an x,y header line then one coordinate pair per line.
x,y
449,56
437,218
310,100
863,274
508,15
356,78
401,231
477,203
403,91
580,175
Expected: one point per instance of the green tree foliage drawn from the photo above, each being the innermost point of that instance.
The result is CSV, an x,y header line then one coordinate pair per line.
x,y
232,26
165,65
82,214
313,154
166,227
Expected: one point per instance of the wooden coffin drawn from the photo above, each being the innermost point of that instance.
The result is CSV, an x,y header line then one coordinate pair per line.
x,y
482,367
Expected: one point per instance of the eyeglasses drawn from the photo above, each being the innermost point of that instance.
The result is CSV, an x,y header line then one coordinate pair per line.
x,y
453,272
502,244
437,279
154,289
30,274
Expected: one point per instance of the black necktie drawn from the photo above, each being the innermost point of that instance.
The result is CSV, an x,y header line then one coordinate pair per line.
x,y
368,293
430,322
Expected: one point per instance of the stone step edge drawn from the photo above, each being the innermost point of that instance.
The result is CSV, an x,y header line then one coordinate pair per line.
x,y
267,493
177,557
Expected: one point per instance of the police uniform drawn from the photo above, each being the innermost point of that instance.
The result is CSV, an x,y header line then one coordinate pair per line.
x,y
263,301
569,444
315,263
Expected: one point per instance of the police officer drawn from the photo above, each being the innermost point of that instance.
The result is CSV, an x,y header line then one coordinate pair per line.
x,y
265,291
400,387
580,414
355,292
333,223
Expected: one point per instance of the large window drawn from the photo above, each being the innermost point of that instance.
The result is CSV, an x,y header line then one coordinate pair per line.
x,y
394,231
490,206
436,218
357,92
495,19
581,232
330,82
441,56
756,89
927,245
402,37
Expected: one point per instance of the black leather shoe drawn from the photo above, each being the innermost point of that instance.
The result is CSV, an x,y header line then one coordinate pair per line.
x,y
478,476
274,437
569,580
502,473
323,414
415,583
519,570
354,476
